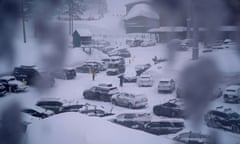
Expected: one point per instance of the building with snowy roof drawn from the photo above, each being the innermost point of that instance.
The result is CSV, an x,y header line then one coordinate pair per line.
x,y
140,17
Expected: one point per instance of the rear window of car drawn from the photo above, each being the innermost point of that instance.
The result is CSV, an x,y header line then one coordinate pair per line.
x,y
164,82
230,90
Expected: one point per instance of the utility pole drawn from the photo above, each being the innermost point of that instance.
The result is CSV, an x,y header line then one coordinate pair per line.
x,y
189,18
23,21
195,18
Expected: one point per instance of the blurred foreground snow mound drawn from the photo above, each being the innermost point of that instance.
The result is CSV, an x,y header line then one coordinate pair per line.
x,y
74,128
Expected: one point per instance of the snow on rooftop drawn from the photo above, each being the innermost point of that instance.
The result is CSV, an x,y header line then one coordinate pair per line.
x,y
84,32
144,10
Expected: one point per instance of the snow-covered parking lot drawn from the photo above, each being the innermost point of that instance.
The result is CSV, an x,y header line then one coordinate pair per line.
x,y
76,128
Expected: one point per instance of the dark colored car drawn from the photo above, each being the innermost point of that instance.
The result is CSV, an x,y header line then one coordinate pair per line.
x,y
102,92
3,90
192,138
133,120
164,127
53,105
223,119
31,76
13,85
87,68
173,108
65,74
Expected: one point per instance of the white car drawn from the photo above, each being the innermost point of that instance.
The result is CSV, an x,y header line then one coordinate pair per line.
x,y
145,80
12,84
130,100
148,43
166,85
232,94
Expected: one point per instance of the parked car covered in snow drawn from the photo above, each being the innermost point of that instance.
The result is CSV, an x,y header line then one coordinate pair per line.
x,y
101,66
173,108
130,100
13,85
129,79
88,68
142,68
192,138
102,92
148,43
38,112
164,126
225,119
53,104
65,74
31,75
3,90
120,52
113,71
145,80
133,120
232,94
94,111
121,67
166,85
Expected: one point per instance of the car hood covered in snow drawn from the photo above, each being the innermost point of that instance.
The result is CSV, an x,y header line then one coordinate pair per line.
x,y
74,128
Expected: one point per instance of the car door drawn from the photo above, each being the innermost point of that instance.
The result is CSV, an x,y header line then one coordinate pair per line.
x,y
222,119
125,99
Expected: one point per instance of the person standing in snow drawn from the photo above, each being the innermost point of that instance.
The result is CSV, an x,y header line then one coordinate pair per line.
x,y
121,77
93,74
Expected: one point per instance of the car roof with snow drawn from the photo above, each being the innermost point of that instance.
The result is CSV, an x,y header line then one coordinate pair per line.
x,y
7,77
145,76
233,87
174,120
165,79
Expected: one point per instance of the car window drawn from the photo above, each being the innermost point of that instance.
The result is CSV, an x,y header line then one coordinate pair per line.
x,y
170,105
178,124
161,124
129,116
235,115
164,82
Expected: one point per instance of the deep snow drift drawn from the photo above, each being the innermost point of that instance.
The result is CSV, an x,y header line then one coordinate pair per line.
x,y
74,128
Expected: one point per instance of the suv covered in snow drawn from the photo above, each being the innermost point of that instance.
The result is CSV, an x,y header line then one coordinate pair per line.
x,y
141,68
32,76
129,100
166,85
115,68
145,80
133,120
164,126
13,85
232,94
172,108
65,74
224,119
192,138
88,68
102,92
